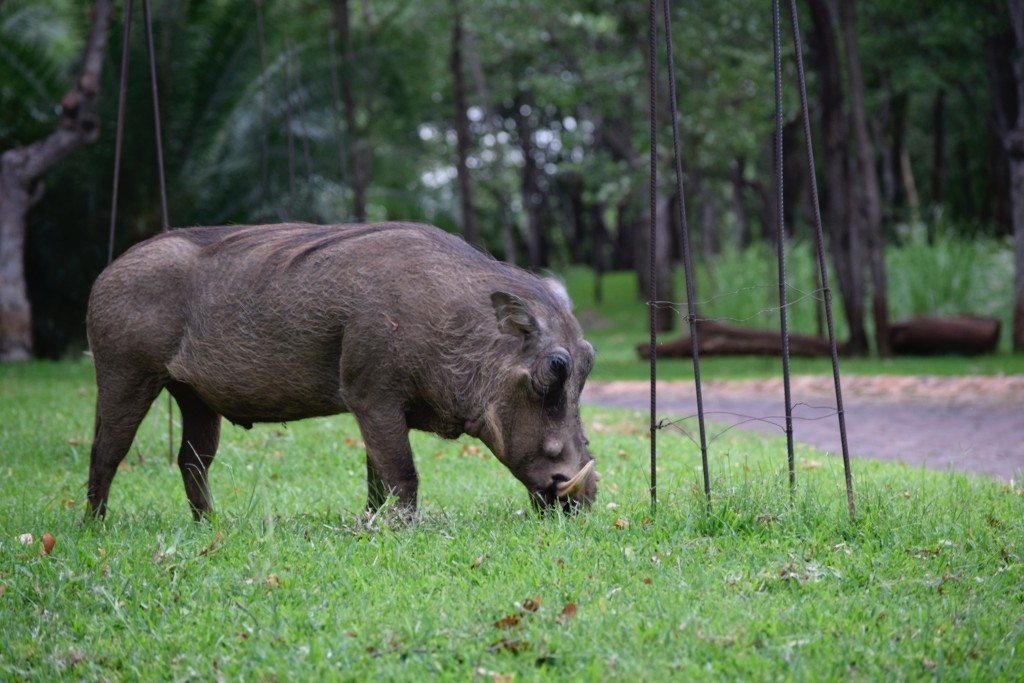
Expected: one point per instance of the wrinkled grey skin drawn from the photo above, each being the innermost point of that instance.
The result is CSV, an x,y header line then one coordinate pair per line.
x,y
402,325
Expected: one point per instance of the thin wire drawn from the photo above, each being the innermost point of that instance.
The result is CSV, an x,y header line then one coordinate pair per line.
x,y
745,419
165,223
119,135
147,18
739,290
289,134
780,242
678,306
820,243
685,241
652,244
264,153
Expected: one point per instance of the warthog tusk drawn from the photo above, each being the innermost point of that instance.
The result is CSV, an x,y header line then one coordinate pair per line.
x,y
568,488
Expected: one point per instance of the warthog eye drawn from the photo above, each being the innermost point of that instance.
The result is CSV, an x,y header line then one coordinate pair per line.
x,y
550,377
559,366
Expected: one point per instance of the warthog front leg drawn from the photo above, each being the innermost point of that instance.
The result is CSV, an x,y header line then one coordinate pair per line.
x,y
389,464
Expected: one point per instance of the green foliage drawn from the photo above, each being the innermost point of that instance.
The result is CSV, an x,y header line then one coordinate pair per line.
x,y
289,581
37,43
573,72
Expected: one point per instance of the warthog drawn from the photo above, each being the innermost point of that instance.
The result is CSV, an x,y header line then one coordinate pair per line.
x,y
402,325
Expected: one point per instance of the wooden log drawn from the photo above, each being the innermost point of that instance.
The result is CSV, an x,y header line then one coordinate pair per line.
x,y
719,339
966,335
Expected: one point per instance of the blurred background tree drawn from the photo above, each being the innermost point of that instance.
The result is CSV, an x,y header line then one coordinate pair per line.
x,y
521,124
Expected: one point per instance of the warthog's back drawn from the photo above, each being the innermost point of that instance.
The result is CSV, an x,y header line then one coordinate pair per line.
x,y
264,321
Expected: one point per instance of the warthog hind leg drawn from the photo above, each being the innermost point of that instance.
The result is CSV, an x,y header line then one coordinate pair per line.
x,y
200,435
122,401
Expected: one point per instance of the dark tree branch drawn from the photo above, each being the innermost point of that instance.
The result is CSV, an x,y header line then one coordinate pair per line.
x,y
21,171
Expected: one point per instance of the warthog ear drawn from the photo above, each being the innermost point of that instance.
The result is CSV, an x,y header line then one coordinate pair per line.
x,y
513,316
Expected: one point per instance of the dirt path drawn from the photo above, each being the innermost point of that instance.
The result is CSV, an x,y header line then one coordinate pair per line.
x,y
973,424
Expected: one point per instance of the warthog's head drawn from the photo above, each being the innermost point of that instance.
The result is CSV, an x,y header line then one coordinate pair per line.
x,y
533,425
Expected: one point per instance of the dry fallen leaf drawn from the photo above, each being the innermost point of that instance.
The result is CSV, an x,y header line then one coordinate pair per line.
x,y
495,676
568,612
621,523
217,538
3,589
507,621
647,581
531,604
513,646
272,581
48,542
810,464
73,441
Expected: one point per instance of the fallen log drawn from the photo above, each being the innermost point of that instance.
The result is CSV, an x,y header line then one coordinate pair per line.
x,y
925,335
719,339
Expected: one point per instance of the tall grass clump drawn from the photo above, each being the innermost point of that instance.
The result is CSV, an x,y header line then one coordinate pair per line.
x,y
951,275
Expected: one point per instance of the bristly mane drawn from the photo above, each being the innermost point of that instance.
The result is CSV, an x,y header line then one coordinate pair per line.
x,y
287,244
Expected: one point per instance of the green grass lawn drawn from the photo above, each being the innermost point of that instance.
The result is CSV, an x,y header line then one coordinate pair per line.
x,y
289,582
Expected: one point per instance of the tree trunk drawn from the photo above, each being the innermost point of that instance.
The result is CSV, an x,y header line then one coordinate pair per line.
x,y
709,222
624,253
536,243
871,204
909,185
795,170
893,189
293,204
902,170
600,233
1017,194
844,241
508,222
508,229
21,171
665,316
939,148
462,136
741,230
261,44
358,154
571,186
1015,150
